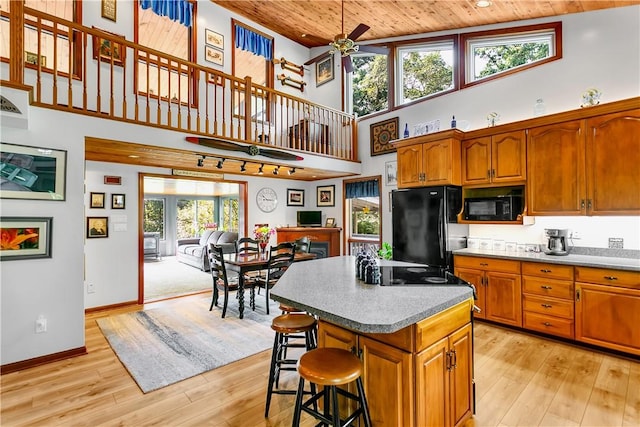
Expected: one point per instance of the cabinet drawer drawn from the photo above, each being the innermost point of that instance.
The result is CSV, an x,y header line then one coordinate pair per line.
x,y
606,276
547,287
548,324
489,264
549,306
553,271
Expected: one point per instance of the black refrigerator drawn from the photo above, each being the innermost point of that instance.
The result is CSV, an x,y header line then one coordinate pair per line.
x,y
425,227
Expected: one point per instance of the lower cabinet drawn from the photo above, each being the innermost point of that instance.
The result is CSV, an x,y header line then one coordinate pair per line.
x,y
421,375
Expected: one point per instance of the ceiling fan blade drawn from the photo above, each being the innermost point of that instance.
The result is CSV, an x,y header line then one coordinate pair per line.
x,y
318,58
358,31
347,64
373,49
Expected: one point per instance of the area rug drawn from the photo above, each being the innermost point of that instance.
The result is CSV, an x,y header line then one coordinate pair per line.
x,y
162,346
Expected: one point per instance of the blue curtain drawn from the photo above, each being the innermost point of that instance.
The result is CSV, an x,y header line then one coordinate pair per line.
x,y
254,43
176,10
353,190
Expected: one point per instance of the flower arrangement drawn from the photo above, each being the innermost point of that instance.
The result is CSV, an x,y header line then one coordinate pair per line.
x,y
263,233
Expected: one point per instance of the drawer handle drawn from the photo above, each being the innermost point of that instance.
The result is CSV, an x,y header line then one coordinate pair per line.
x,y
611,277
546,305
544,270
547,324
484,264
546,287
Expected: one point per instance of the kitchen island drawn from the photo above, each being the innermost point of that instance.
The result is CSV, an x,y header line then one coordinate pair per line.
x,y
415,341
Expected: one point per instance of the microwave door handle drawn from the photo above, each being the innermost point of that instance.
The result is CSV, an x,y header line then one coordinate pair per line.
x,y
441,227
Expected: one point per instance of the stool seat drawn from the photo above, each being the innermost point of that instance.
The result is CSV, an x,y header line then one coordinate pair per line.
x,y
289,309
293,323
329,366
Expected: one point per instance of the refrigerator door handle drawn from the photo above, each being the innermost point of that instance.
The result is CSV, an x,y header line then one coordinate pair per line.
x,y
441,228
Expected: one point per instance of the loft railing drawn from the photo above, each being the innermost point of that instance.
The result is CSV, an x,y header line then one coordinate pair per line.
x,y
92,72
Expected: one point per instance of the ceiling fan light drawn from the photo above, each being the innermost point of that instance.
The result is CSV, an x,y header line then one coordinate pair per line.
x,y
483,3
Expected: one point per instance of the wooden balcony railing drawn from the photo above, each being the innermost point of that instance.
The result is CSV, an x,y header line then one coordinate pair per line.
x,y
92,72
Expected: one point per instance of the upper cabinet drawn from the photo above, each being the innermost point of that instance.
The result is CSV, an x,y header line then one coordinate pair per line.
x,y
494,160
585,167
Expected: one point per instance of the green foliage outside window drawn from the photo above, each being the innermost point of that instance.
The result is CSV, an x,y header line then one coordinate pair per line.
x,y
506,57
370,84
425,74
153,216
192,217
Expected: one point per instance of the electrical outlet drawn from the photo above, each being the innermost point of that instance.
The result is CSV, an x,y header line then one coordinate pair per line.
x,y
575,235
91,288
616,243
41,324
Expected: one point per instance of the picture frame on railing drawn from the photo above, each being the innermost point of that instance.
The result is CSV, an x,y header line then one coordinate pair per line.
x,y
324,71
35,173
108,9
28,238
213,55
214,39
108,50
326,195
32,59
295,197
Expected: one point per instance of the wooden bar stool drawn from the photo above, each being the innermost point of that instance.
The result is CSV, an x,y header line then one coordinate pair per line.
x,y
288,327
330,367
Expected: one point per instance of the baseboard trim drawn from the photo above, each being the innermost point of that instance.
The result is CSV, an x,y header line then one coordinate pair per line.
x,y
36,361
110,307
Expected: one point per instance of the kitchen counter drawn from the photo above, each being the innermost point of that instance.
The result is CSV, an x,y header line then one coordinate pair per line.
x,y
629,264
328,288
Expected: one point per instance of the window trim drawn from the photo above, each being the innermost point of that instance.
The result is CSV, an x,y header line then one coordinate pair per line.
x,y
346,216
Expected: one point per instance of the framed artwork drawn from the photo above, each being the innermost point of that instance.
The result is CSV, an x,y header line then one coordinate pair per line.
x,y
324,71
109,9
214,39
295,197
117,201
32,172
96,200
331,222
108,50
381,134
32,58
97,226
326,195
391,173
25,238
213,55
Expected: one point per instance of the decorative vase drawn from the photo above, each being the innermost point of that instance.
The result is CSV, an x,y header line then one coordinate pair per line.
x,y
263,248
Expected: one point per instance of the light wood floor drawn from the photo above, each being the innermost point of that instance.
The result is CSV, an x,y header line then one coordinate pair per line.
x,y
520,380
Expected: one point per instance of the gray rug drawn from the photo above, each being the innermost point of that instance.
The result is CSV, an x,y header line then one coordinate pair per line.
x,y
162,346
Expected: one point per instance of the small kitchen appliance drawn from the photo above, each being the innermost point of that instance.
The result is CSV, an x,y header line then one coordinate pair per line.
x,y
557,241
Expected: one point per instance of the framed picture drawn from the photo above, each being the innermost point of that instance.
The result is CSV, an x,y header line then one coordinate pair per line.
x,y
97,226
25,238
331,222
381,134
117,201
96,200
391,173
324,71
32,172
32,58
109,9
213,55
326,195
214,39
108,50
295,197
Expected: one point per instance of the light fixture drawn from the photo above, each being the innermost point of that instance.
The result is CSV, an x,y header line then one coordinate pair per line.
x,y
292,171
275,171
201,162
260,169
483,3
220,162
341,43
243,168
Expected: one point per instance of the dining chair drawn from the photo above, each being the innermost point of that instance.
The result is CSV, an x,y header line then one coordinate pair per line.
x,y
248,246
280,257
220,280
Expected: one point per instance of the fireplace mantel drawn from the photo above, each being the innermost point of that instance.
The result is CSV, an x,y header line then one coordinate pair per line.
x,y
331,235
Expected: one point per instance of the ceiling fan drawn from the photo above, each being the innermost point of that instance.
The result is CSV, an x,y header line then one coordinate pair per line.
x,y
346,45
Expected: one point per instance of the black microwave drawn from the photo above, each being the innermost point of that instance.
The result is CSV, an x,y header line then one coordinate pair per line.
x,y
498,208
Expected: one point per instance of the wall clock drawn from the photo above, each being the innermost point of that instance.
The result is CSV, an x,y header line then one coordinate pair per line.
x,y
267,199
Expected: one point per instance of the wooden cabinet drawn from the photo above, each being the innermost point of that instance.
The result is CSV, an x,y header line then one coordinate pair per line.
x,y
498,287
495,160
421,375
585,166
325,241
435,162
607,308
547,298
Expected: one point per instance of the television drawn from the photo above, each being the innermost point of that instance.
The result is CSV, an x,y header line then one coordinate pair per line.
x,y
309,218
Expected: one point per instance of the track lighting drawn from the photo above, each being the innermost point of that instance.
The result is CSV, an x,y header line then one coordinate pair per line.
x,y
260,169
220,162
243,168
292,171
201,162
275,171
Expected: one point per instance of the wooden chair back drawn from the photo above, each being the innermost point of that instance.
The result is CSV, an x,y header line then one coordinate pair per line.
x,y
247,246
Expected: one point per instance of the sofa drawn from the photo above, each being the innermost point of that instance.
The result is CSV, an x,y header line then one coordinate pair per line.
x,y
193,251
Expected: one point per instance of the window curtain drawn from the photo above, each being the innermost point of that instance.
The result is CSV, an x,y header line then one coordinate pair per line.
x,y
354,190
253,42
176,10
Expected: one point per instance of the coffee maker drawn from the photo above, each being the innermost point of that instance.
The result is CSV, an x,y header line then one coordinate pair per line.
x,y
557,241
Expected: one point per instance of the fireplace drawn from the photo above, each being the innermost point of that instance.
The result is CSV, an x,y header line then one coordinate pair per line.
x,y
321,249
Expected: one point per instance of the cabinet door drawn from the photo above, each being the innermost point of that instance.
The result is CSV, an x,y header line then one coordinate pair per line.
x,y
475,277
476,161
504,298
508,157
461,386
432,385
555,170
441,162
410,166
613,156
608,316
388,374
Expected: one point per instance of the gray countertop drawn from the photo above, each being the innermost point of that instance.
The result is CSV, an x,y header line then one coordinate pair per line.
x,y
630,264
328,288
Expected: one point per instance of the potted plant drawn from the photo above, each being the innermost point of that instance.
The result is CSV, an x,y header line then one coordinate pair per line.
x,y
386,251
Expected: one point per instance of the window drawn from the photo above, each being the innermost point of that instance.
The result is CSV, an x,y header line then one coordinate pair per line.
x,y
229,214
154,219
362,210
369,84
424,70
194,216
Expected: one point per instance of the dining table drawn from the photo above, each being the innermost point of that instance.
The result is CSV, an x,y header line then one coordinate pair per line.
x,y
242,264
